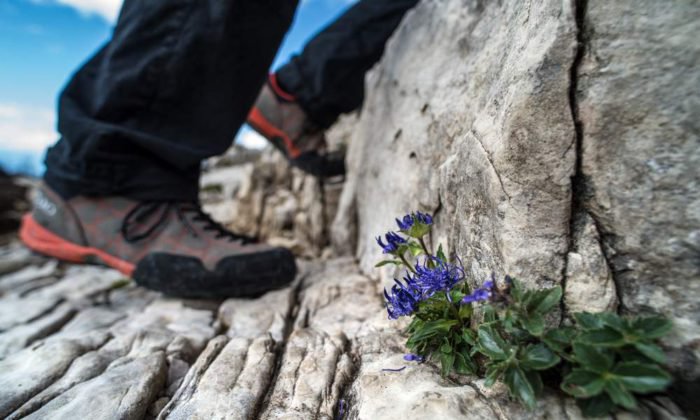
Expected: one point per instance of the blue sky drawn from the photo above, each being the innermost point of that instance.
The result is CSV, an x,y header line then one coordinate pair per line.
x,y
43,41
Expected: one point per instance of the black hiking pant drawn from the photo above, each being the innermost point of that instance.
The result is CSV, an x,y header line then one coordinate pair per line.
x,y
177,80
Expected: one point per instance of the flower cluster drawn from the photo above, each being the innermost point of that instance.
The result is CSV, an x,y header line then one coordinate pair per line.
x,y
408,220
427,277
485,292
603,360
403,299
424,283
393,242
435,275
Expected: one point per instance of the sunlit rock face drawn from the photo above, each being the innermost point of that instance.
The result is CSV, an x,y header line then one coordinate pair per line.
x,y
554,141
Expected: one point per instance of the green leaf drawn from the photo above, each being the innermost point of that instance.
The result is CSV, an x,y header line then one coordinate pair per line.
x,y
469,336
597,406
605,336
400,250
544,300
588,321
582,383
418,230
534,324
415,249
559,339
535,380
492,375
595,359
631,354
652,327
447,361
489,313
652,351
613,321
520,386
516,290
432,328
441,254
464,365
446,348
491,344
619,394
465,311
538,357
387,262
642,378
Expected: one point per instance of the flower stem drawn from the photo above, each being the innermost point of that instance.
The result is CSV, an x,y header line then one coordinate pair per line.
x,y
407,264
455,313
425,248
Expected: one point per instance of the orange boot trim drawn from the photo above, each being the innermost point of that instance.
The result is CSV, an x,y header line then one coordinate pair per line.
x,y
265,127
42,240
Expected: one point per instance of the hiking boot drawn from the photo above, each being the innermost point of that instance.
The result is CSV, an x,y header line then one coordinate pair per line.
x,y
278,117
169,246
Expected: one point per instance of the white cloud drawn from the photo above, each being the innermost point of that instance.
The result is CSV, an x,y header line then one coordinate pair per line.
x,y
250,139
26,128
107,9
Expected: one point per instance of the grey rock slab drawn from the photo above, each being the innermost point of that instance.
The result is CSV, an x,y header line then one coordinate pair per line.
x,y
162,321
589,281
83,368
16,310
80,282
308,370
228,381
123,391
27,274
638,106
251,318
16,256
189,383
88,320
337,299
480,130
417,392
20,336
27,372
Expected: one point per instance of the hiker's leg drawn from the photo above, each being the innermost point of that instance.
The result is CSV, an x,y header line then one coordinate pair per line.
x,y
171,88
328,77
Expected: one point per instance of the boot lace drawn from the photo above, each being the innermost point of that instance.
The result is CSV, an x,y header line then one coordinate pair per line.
x,y
159,211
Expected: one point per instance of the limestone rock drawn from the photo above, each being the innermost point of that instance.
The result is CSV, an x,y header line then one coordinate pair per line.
x,y
589,282
124,390
228,381
251,318
556,141
637,106
309,367
27,372
498,182
267,198
21,336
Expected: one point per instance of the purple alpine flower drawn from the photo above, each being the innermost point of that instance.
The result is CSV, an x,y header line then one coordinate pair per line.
x,y
482,293
424,218
403,299
440,278
406,222
410,357
393,241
